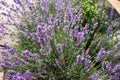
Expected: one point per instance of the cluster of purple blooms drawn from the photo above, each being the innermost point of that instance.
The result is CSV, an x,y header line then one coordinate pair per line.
x,y
57,51
12,75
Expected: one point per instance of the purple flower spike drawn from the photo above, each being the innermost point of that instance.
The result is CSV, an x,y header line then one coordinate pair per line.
x,y
40,69
19,60
36,56
117,55
12,51
42,51
100,55
109,52
18,2
6,63
60,48
117,67
79,59
42,41
74,33
117,46
107,65
87,63
85,29
15,76
26,53
68,15
80,37
31,6
109,30
35,37
44,7
57,63
66,28
28,75
95,76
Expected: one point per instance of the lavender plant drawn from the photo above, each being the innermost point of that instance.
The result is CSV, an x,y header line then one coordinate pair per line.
x,y
57,42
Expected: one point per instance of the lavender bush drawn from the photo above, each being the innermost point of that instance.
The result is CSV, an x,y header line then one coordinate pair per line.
x,y
59,40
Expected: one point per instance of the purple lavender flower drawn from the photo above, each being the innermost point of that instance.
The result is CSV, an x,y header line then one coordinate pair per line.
x,y
76,18
74,33
11,71
18,2
95,25
31,6
42,51
44,7
15,76
26,53
4,14
31,22
4,3
107,66
28,34
5,54
42,40
117,55
100,54
57,63
66,28
85,29
78,60
60,48
58,21
8,77
45,19
95,76
109,52
68,15
18,76
116,68
19,60
87,63
9,64
36,56
109,30
40,29
12,51
35,37
2,63
116,72
28,75
80,37
40,69
117,76
117,46
49,31
51,19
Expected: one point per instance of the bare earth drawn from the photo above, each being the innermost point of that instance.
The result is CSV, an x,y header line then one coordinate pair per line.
x,y
1,76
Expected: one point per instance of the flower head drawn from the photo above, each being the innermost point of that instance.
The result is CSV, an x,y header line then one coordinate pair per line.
x,y
100,54
95,76
60,48
36,56
28,75
26,53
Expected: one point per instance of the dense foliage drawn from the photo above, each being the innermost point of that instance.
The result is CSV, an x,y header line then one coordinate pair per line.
x,y
61,40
